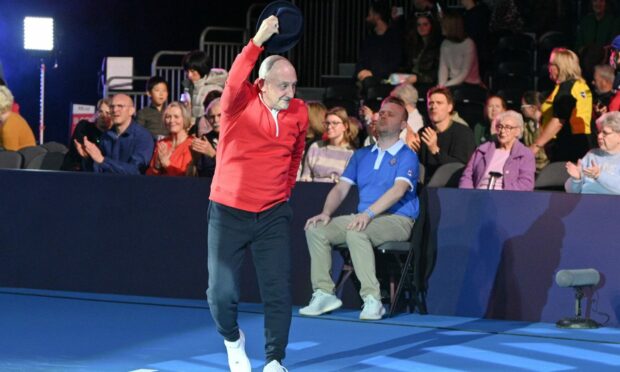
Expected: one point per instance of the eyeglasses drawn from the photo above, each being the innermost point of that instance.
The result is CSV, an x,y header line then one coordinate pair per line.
x,y
423,14
501,127
334,123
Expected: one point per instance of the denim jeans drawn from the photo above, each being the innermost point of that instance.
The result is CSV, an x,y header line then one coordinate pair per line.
x,y
267,233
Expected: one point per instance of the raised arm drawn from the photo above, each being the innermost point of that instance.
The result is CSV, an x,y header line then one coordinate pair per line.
x,y
237,86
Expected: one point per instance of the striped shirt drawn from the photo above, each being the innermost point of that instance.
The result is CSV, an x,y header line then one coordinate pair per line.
x,y
325,163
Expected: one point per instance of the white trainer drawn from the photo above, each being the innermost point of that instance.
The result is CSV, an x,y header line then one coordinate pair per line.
x,y
237,359
274,366
372,309
321,303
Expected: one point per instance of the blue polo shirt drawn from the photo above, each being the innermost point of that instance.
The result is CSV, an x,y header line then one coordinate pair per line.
x,y
374,171
129,153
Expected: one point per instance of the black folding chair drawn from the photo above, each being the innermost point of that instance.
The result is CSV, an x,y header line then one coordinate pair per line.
x,y
552,177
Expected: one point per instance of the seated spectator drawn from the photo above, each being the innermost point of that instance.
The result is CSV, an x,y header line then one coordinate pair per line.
x,y
530,108
597,28
599,171
93,130
371,128
386,176
203,126
381,52
422,50
443,142
15,107
503,163
567,112
484,131
326,160
409,95
125,149
458,61
150,117
15,133
205,146
603,90
172,155
316,122
201,79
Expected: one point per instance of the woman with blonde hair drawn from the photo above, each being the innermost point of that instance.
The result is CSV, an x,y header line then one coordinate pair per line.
x,y
172,155
15,133
567,112
326,160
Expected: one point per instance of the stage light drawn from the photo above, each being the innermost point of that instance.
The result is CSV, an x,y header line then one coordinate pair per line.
x,y
39,33
39,36
577,279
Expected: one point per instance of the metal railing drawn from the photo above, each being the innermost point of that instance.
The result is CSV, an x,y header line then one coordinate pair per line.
x,y
139,97
172,72
223,44
333,32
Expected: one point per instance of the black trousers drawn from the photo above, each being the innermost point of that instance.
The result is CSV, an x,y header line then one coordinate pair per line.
x,y
231,231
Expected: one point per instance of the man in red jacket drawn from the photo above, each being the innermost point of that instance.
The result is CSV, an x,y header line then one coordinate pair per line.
x,y
262,132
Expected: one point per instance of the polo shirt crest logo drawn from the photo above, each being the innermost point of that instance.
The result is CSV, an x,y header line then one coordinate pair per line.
x,y
582,94
393,161
410,173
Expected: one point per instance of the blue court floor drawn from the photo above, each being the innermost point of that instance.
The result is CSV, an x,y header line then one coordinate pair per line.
x,y
66,331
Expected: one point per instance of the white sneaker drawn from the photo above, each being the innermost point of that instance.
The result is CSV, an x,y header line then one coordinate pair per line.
x,y
274,366
237,359
372,309
321,302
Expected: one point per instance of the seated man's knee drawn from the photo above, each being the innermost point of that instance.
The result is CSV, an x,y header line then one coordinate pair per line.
x,y
316,232
356,236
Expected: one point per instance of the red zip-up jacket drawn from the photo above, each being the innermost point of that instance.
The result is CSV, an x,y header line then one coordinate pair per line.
x,y
257,158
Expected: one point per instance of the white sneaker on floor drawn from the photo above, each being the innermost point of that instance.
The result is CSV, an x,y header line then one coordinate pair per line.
x,y
237,359
321,302
372,309
274,366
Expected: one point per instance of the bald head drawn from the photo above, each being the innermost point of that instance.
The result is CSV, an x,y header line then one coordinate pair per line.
x,y
122,110
278,81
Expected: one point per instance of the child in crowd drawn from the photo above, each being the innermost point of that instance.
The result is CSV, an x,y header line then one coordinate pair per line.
x,y
151,117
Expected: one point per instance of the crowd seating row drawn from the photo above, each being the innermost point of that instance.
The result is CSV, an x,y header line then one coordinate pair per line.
x,y
48,156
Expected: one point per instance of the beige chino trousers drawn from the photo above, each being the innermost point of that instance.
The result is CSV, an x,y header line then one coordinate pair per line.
x,y
381,229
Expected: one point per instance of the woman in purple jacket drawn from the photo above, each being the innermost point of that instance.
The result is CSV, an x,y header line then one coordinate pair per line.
x,y
503,164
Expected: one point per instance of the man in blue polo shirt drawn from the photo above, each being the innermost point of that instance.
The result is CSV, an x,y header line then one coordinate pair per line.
x,y
386,175
126,149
